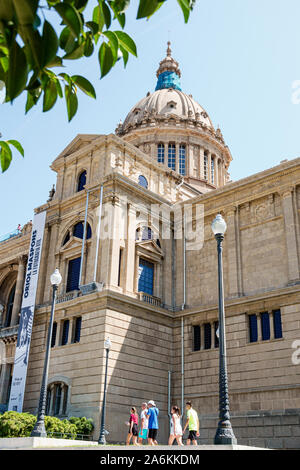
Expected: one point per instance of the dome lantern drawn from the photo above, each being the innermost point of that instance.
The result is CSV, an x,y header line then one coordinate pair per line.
x,y
168,72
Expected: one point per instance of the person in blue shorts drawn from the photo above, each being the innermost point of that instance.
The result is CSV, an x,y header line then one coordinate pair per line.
x,y
143,434
152,415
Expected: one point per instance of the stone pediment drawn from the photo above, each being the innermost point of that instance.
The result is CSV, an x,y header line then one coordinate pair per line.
x,y
71,244
150,247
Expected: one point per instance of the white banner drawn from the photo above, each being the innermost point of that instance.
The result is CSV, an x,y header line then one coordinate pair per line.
x,y
27,311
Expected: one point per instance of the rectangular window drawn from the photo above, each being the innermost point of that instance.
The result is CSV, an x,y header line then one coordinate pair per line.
x,y
196,338
172,156
207,335
53,338
161,153
277,324
265,326
253,328
65,332
205,167
146,277
73,274
212,170
77,330
216,326
182,159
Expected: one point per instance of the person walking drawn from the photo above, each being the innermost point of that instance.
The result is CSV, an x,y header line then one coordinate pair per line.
x,y
176,429
133,427
192,423
143,434
152,415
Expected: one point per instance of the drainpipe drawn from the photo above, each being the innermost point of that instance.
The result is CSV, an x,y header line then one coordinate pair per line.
x,y
98,233
182,319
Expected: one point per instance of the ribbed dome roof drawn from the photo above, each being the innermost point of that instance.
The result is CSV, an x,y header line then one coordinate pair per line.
x,y
167,101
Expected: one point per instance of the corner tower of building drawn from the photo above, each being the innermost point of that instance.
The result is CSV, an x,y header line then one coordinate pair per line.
x,y
175,130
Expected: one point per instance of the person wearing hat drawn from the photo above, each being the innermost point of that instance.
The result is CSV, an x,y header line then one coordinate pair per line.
x,y
152,415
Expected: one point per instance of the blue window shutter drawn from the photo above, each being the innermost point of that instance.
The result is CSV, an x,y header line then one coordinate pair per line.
x,y
207,336
146,276
73,274
277,324
216,326
197,338
65,332
253,328
265,325
54,330
77,330
78,230
81,181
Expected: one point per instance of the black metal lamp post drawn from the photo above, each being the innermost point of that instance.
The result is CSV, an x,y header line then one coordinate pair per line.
x,y
103,432
224,434
39,428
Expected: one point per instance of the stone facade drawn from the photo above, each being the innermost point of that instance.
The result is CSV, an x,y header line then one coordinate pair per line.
x,y
153,332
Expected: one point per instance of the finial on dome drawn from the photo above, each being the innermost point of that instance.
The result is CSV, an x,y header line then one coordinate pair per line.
x,y
168,72
169,52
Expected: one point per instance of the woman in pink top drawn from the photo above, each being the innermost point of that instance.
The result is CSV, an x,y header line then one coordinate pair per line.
x,y
133,427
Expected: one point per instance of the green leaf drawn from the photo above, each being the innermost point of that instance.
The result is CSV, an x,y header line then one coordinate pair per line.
x,y
121,19
50,96
17,145
106,14
92,26
76,53
5,156
49,42
26,11
88,46
119,6
106,58
185,7
70,17
17,72
71,101
125,55
148,7
113,41
98,17
32,98
84,85
126,42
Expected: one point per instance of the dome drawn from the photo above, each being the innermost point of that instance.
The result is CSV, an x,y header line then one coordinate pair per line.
x,y
167,103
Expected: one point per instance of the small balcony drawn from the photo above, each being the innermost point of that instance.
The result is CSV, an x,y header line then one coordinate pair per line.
x,y
9,333
150,299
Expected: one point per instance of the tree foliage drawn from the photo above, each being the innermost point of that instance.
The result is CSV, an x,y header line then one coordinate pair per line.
x,y
31,47
14,424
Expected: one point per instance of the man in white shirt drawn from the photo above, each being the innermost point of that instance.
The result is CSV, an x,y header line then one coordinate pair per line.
x,y
143,434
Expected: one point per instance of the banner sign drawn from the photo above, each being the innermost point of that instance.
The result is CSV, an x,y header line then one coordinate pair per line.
x,y
27,311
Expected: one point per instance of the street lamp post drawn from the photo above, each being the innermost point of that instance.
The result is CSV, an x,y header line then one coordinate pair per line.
x,y
39,429
224,434
103,432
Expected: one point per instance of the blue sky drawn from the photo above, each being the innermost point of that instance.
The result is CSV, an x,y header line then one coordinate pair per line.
x,y
239,60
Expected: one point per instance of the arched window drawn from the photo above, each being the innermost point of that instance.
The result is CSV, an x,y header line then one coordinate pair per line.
x,y
143,181
81,181
57,399
161,153
79,228
172,156
182,159
9,306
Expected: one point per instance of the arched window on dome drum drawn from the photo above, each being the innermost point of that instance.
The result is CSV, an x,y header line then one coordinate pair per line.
x,y
182,159
161,153
172,156
81,181
9,306
143,182
212,171
205,166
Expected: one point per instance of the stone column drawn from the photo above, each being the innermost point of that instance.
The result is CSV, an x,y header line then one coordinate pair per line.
x,y
19,291
52,400
259,332
216,171
201,163
232,255
4,382
62,398
271,318
115,244
51,260
130,250
209,167
177,157
290,234
166,156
